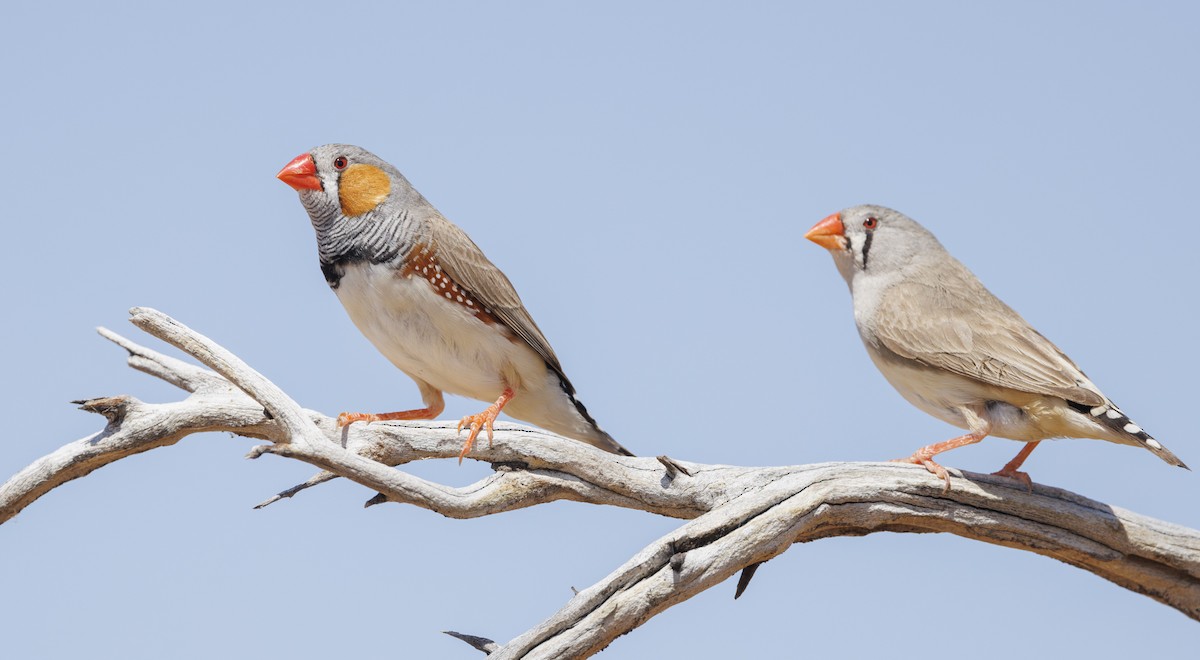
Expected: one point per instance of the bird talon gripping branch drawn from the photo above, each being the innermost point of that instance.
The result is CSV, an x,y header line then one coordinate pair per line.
x,y
483,420
1018,476
466,448
940,472
348,418
925,461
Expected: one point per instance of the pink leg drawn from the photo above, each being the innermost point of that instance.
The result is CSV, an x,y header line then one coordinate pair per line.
x,y
432,410
924,455
1010,469
348,418
483,420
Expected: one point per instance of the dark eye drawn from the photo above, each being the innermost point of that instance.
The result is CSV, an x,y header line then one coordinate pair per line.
x,y
869,223
339,163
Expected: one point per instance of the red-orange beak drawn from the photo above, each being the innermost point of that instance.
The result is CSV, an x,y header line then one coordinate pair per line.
x,y
300,174
829,233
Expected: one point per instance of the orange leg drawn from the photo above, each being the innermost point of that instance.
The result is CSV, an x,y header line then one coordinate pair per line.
x,y
482,420
924,455
435,406
1010,469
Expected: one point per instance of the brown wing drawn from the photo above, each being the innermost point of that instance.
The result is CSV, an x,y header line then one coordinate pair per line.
x,y
466,264
954,323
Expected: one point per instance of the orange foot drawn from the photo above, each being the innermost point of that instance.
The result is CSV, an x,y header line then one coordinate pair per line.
x,y
934,467
924,456
348,418
1010,469
482,420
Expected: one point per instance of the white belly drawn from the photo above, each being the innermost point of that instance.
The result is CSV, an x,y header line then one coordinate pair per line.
x,y
935,393
963,402
434,341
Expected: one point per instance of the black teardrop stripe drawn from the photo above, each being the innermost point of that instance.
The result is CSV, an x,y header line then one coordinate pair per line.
x,y
867,247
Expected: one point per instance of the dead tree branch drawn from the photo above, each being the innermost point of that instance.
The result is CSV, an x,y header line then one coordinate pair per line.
x,y
738,517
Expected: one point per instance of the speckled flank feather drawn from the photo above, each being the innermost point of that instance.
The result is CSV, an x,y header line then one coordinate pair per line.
x,y
421,263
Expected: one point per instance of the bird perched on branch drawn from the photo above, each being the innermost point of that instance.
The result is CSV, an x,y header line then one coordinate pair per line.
x,y
426,296
954,350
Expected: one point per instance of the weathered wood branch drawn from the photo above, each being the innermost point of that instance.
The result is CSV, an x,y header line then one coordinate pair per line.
x,y
738,517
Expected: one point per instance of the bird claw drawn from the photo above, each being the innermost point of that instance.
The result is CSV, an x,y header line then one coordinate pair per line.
x,y
429,412
934,468
348,418
1010,469
924,455
481,421
1017,475
477,423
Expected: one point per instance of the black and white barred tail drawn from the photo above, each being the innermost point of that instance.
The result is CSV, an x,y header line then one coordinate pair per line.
x,y
1111,416
614,446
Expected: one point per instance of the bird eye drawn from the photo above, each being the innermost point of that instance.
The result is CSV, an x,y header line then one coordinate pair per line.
x,y
339,163
870,223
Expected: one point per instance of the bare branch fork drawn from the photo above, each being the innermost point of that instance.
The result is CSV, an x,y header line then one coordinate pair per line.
x,y
737,517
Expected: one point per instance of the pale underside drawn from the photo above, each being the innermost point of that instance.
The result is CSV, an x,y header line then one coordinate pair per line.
x,y
445,347
957,352
986,409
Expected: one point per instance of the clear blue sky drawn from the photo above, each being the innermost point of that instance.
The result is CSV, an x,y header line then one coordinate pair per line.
x,y
644,174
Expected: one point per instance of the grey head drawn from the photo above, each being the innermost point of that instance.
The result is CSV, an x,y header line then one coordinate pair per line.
x,y
361,207
869,240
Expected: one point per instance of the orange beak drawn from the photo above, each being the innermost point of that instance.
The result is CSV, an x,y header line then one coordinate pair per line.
x,y
829,233
300,174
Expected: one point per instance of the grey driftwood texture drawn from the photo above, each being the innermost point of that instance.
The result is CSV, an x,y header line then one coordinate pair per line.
x,y
738,517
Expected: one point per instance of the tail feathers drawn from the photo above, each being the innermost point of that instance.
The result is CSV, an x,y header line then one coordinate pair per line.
x,y
1111,416
600,438
614,446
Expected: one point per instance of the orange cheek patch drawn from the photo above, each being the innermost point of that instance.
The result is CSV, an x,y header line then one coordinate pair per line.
x,y
362,188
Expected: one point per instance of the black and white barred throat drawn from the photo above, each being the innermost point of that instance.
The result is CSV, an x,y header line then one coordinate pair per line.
x,y
383,235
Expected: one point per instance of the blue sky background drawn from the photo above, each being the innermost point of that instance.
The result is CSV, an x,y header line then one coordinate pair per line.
x,y
644,174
